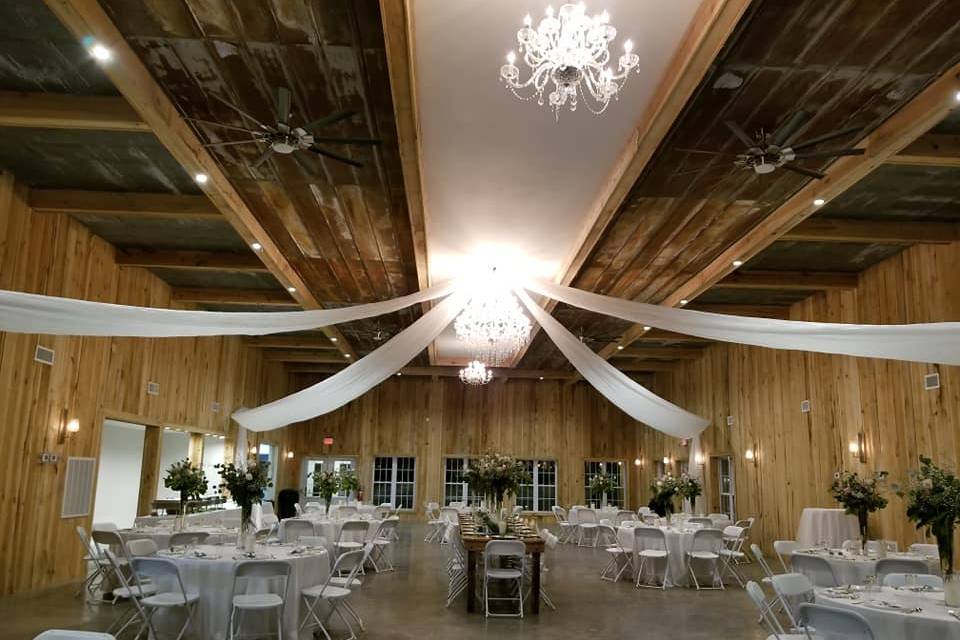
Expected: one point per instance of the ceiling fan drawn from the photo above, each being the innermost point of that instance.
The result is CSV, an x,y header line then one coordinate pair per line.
x,y
285,137
768,151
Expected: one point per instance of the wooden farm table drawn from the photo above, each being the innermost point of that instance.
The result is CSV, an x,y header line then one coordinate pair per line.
x,y
474,544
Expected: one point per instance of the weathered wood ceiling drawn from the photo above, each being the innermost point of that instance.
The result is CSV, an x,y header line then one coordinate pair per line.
x,y
850,63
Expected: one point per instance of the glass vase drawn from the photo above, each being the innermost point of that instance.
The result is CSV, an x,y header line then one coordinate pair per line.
x,y
951,589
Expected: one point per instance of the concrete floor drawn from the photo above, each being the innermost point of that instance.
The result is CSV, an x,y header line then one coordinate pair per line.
x,y
408,603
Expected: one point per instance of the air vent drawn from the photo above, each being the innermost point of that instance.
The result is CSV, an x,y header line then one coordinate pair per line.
x,y
729,421
44,355
215,407
78,487
931,381
153,388
805,406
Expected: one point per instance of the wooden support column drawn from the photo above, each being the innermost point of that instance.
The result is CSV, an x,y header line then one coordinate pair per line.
x,y
149,469
196,449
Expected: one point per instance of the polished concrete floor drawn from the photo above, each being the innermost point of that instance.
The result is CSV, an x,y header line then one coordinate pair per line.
x,y
408,603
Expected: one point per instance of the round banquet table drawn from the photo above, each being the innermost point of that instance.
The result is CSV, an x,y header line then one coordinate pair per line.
x,y
854,569
212,578
161,535
829,527
679,541
932,623
330,529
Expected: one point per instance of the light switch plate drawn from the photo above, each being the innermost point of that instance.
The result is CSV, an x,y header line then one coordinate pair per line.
x,y
805,406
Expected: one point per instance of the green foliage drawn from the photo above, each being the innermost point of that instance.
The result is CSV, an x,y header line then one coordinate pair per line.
x,y
325,484
663,489
601,483
349,481
494,476
933,501
245,485
189,481
688,487
858,494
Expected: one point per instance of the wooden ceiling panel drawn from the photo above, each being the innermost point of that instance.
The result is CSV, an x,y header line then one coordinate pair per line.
x,y
158,233
901,192
848,256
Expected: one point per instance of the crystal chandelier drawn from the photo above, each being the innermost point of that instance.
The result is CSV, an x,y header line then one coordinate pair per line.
x,y
475,373
569,50
493,326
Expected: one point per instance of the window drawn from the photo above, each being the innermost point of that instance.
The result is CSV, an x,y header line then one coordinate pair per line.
x,y
316,465
614,469
728,498
540,494
393,481
454,488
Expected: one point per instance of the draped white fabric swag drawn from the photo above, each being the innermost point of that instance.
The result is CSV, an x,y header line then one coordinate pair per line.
x,y
32,313
929,342
632,398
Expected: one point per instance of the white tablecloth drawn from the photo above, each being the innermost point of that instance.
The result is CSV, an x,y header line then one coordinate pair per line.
x,y
202,518
330,529
826,526
161,535
212,577
932,623
679,541
854,569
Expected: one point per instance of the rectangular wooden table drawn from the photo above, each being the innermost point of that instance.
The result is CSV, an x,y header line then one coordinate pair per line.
x,y
475,544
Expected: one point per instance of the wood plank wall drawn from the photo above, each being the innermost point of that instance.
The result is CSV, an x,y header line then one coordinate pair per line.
x,y
92,378
436,418
762,390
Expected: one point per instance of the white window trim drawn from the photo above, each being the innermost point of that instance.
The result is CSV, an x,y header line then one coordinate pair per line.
x,y
536,483
623,478
393,481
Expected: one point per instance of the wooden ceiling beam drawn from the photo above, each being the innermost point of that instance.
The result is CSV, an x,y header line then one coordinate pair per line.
x,y
253,297
290,342
197,260
756,310
68,111
87,19
121,204
789,280
447,372
930,150
672,353
644,365
660,335
914,119
819,229
306,357
692,60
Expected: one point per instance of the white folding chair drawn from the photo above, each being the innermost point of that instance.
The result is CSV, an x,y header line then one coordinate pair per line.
x,y
705,549
435,526
188,537
785,549
731,553
332,594
767,576
621,559
767,617
625,516
920,579
817,569
586,523
294,529
930,550
496,553
97,564
650,544
346,511
456,563
901,565
163,571
263,576
793,589
104,526
706,523
297,509
566,527
382,543
550,542
834,624
108,540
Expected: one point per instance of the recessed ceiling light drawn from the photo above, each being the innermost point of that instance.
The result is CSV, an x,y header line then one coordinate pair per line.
x,y
292,289
100,52
683,302
956,96
346,355
256,246
738,263
333,339
645,328
399,373
619,347
819,202
541,377
201,178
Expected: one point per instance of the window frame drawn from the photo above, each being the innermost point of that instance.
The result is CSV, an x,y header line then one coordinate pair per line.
x,y
620,466
394,482
536,484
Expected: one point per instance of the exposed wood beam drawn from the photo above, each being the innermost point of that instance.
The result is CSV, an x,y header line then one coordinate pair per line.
x,y
306,357
256,297
113,203
67,111
756,310
692,60
291,342
659,335
930,150
87,19
202,260
641,365
672,353
398,40
447,372
819,229
914,119
789,280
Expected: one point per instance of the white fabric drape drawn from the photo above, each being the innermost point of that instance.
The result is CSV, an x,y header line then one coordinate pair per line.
x,y
632,398
930,342
358,378
31,313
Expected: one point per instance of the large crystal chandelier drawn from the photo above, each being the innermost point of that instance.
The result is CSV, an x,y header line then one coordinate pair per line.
x,y
475,373
569,50
493,326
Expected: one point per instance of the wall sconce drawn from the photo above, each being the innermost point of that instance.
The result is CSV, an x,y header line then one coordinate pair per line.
x,y
637,462
289,455
666,460
66,426
253,450
699,459
750,455
858,449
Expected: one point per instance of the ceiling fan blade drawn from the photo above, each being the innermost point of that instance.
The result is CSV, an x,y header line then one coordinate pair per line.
x,y
807,172
826,136
283,105
832,153
370,141
709,153
238,110
211,123
230,143
263,158
334,156
789,128
701,169
740,133
299,159
331,119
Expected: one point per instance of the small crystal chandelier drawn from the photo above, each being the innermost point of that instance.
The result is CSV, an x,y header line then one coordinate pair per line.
x,y
475,373
571,51
493,326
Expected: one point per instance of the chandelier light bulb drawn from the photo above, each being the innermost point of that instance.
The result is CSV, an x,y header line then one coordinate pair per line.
x,y
475,373
549,11
511,57
628,46
493,326
527,20
604,17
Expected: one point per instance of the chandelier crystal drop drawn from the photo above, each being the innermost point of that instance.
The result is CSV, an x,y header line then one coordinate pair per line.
x,y
493,326
475,373
569,52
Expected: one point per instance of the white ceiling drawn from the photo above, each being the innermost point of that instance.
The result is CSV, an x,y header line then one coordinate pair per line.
x,y
503,182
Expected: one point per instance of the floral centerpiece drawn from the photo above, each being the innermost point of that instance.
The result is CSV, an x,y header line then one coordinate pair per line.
x,y
350,483
858,495
245,485
495,476
933,501
326,484
602,484
663,489
189,481
689,488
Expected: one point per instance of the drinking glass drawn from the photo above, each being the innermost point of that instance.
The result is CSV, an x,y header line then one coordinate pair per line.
x,y
910,580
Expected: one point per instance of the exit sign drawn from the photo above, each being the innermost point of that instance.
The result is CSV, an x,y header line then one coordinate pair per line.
x,y
327,441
